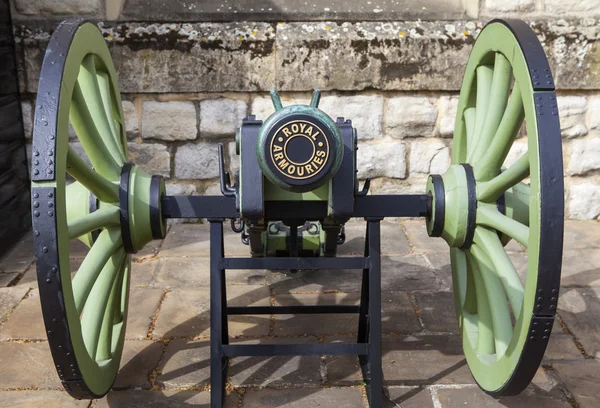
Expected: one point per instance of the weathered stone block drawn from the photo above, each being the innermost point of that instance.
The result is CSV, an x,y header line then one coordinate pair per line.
x,y
234,160
585,156
154,158
131,119
262,106
447,106
365,111
169,121
584,201
594,113
34,7
428,157
572,115
221,117
386,159
410,116
27,114
572,6
174,188
509,5
197,161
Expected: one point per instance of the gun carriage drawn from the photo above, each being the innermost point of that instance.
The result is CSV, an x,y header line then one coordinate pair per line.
x,y
296,188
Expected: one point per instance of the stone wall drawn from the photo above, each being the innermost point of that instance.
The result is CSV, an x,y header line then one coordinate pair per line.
x,y
191,72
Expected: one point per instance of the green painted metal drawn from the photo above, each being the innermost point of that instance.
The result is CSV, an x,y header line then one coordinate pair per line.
x,y
494,304
280,115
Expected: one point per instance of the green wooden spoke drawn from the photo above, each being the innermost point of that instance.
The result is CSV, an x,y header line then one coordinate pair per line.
x,y
486,343
469,116
490,243
88,81
499,310
107,102
105,246
489,216
489,191
102,188
91,140
106,216
484,84
96,304
500,89
489,165
104,351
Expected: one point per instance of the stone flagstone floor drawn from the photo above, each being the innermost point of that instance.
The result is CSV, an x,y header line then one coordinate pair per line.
x,y
166,364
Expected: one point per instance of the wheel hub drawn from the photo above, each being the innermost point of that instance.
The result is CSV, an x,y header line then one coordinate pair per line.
x,y
452,206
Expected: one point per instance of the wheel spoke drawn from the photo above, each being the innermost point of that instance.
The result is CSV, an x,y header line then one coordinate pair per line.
x,y
490,243
102,188
107,216
484,84
498,98
96,305
91,124
111,317
494,156
490,217
495,293
485,329
517,203
489,191
105,93
105,246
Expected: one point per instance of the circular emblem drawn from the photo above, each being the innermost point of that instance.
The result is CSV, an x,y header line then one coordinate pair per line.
x,y
299,149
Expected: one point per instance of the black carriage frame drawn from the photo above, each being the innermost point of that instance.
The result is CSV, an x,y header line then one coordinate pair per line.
x,y
368,345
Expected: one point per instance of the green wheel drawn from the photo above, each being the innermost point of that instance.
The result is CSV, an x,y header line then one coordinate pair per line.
x,y
505,317
85,310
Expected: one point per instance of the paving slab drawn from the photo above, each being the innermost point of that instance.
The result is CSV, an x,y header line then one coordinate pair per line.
x,y
437,311
580,310
40,399
342,370
441,268
581,234
311,324
393,239
473,397
26,321
149,251
407,397
304,397
581,379
561,347
20,257
185,364
398,314
7,278
143,303
9,299
142,272
180,272
27,365
140,358
185,312
409,272
416,232
29,278
279,371
161,399
581,267
193,240
423,360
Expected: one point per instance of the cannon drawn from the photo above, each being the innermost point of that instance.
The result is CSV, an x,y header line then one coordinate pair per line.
x,y
296,188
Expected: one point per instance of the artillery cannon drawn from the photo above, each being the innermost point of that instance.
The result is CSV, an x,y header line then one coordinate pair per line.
x,y
296,188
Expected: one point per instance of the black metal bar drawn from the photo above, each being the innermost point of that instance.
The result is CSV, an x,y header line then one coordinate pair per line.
x,y
363,322
224,207
258,310
296,263
375,383
295,350
218,361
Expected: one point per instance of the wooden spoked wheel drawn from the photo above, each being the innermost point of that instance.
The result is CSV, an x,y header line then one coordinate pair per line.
x,y
85,311
483,201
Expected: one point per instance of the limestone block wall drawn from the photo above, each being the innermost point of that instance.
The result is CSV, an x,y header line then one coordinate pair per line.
x,y
191,71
